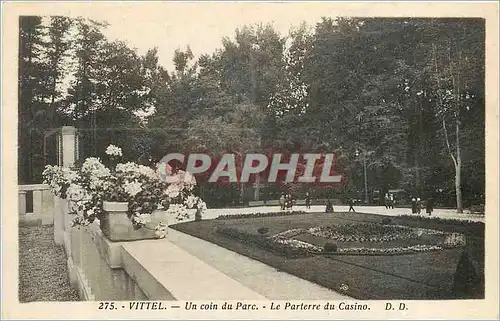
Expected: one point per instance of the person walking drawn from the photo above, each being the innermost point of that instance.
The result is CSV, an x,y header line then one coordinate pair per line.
x,y
329,206
282,201
429,206
351,205
413,205
386,201
308,200
419,206
391,201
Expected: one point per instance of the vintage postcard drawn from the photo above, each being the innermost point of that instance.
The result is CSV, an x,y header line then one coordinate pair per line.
x,y
250,160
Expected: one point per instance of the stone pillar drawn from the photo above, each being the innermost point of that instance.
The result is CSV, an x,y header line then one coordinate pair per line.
x,y
67,157
37,203
22,202
68,138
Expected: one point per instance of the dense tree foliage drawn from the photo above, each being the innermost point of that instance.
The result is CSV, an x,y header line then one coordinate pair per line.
x,y
407,94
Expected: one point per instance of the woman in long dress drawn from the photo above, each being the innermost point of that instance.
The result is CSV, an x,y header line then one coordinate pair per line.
x,y
282,201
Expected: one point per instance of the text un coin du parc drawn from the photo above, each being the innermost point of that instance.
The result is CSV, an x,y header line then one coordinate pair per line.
x,y
276,306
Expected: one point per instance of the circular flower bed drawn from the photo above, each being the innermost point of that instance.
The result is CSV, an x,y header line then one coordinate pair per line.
x,y
349,236
370,232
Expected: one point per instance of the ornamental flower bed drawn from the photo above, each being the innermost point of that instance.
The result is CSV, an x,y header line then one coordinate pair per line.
x,y
370,232
92,188
284,242
286,247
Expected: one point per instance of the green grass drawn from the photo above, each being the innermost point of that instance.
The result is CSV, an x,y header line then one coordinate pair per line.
x,y
408,276
43,274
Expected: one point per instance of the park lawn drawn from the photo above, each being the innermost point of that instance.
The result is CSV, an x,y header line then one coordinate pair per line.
x,y
407,276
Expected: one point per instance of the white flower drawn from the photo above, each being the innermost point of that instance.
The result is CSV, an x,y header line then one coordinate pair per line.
x,y
141,218
113,150
173,190
76,193
127,167
202,205
94,167
137,170
69,175
191,201
147,171
179,211
132,188
161,230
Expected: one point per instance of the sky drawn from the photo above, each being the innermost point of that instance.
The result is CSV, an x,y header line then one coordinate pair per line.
x,y
199,25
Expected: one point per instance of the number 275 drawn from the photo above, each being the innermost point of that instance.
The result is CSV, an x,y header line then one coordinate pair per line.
x,y
106,306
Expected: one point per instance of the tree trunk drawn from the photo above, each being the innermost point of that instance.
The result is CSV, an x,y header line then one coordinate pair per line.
x,y
257,188
242,193
457,159
458,174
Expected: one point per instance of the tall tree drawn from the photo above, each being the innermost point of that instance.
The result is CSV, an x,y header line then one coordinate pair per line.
x,y
458,61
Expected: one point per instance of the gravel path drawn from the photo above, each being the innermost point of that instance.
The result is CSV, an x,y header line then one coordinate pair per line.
x,y
43,274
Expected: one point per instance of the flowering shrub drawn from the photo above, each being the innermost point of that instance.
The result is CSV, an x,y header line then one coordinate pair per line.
x,y
288,234
300,244
440,220
113,150
89,185
60,179
391,250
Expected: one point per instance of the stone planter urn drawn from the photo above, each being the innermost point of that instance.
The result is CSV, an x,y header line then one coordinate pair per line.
x,y
116,225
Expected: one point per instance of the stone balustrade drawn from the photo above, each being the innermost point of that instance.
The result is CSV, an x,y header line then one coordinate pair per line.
x,y
42,200
138,270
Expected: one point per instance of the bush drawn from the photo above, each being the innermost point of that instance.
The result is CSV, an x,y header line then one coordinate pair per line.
x,y
263,230
386,221
330,247
252,215
442,220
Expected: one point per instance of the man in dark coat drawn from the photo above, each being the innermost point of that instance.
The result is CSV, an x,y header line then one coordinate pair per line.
x,y
308,200
351,205
429,206
329,206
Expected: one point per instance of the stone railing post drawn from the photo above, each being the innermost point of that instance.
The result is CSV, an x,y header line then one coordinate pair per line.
x,y
22,202
37,202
